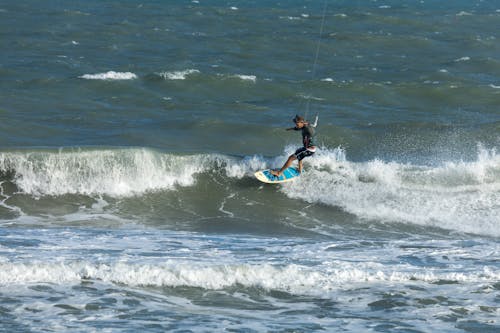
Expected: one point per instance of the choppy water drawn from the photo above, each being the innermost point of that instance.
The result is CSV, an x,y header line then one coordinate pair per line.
x,y
130,132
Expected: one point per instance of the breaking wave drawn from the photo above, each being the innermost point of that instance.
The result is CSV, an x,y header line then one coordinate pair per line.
x,y
461,196
292,278
114,172
111,75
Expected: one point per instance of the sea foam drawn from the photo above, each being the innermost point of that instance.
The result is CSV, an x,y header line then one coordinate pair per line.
x,y
292,278
460,196
178,75
111,75
251,78
124,172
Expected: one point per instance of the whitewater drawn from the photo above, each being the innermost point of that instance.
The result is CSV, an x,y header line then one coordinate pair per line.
x,y
457,196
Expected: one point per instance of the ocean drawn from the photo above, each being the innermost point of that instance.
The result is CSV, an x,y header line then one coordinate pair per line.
x,y
130,132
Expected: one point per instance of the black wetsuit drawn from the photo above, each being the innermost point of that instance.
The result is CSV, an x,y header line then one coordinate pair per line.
x,y
307,139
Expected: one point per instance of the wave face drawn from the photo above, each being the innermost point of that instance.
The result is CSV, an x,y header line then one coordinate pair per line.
x,y
460,196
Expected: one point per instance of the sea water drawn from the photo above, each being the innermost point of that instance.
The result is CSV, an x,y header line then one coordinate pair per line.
x,y
130,132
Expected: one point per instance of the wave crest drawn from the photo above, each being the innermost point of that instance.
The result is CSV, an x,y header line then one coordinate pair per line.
x,y
121,172
293,278
111,75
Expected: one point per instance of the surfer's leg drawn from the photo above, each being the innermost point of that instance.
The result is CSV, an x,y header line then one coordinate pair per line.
x,y
288,162
302,153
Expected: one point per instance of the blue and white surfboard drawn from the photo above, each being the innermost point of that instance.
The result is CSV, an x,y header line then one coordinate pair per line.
x,y
289,174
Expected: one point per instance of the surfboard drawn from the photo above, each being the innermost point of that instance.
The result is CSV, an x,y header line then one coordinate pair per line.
x,y
289,174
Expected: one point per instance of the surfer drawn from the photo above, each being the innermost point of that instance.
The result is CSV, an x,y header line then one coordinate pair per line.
x,y
308,148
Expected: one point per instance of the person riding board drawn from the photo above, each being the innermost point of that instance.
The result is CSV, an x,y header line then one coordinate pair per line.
x,y
308,148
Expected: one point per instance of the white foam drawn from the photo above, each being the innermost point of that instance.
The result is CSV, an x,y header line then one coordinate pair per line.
x,y
178,75
460,196
124,172
246,167
293,278
111,75
462,59
251,78
311,97
494,86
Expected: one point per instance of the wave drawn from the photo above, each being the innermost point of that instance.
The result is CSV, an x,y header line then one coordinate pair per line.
x,y
114,172
111,75
251,78
177,75
184,74
292,278
461,196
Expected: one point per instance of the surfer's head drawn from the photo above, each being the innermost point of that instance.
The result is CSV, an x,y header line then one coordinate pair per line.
x,y
299,121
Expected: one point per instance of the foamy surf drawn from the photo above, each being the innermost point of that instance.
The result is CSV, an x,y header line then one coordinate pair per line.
x,y
110,76
295,279
458,196
177,75
251,78
116,172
